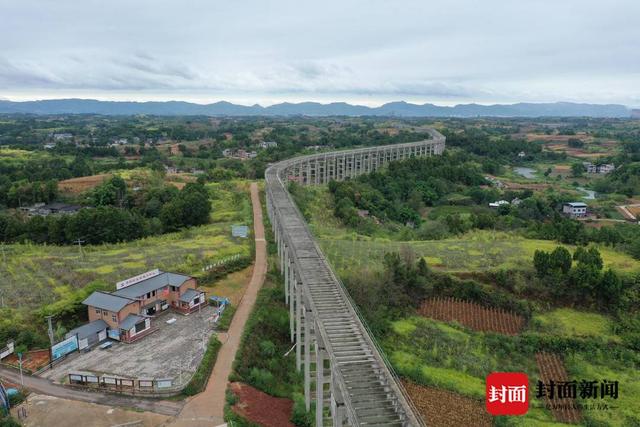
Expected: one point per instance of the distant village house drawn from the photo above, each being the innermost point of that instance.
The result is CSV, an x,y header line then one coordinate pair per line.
x,y
42,209
575,209
601,169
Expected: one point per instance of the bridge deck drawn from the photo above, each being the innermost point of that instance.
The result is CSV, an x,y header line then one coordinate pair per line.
x,y
371,393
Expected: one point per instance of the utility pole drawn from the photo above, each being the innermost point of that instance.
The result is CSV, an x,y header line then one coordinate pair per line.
x,y
79,242
21,377
51,337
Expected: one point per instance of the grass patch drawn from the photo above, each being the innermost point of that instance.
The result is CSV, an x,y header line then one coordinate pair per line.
x,y
627,410
474,251
574,323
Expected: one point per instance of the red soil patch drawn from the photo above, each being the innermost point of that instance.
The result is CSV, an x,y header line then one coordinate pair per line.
x,y
260,408
444,408
32,361
551,368
471,315
82,184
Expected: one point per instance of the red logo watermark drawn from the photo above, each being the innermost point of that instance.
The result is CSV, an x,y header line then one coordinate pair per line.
x,y
507,393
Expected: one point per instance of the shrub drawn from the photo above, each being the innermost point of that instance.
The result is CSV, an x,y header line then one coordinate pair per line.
x,y
227,316
260,378
299,414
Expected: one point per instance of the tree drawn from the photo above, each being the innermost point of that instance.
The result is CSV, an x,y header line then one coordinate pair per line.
x,y
560,259
589,257
575,143
609,290
541,262
577,169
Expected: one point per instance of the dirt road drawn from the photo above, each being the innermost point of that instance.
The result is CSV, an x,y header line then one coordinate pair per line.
x,y
207,408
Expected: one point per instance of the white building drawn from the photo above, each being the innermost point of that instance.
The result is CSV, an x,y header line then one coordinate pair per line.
x,y
575,209
601,169
498,203
268,144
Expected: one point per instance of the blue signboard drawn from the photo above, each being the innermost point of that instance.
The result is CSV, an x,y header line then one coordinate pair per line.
x,y
239,231
64,347
114,334
4,400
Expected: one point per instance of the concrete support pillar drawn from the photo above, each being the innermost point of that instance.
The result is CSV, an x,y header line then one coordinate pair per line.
x,y
299,321
287,272
338,411
320,358
308,322
292,304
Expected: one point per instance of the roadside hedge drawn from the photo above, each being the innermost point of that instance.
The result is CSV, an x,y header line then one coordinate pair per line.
x,y
227,268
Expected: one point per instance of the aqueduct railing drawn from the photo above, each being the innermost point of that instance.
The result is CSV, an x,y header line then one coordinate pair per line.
x,y
354,383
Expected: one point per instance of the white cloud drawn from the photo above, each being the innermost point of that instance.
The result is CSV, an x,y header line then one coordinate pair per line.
x,y
437,51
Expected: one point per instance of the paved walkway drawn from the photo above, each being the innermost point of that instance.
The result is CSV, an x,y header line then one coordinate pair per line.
x,y
207,408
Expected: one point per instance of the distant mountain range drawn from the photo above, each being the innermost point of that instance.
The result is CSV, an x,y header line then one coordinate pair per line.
x,y
401,109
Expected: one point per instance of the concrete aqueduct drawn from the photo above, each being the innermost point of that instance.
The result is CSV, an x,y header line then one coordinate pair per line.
x,y
354,383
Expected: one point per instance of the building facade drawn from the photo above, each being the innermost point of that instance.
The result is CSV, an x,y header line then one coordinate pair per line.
x,y
128,312
575,209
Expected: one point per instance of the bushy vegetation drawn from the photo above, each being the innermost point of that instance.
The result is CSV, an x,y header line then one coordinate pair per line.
x,y
118,216
261,360
264,342
398,194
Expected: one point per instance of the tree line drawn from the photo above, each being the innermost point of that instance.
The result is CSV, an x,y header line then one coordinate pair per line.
x,y
116,214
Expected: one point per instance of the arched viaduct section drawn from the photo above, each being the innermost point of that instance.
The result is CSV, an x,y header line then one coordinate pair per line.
x,y
354,383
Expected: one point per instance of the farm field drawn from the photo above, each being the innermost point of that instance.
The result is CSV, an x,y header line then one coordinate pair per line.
x,y
434,354
36,274
472,315
474,251
551,368
441,407
132,176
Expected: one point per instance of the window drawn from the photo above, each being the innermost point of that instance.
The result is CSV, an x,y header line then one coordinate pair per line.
x,y
105,312
174,288
140,326
97,311
153,293
114,318
148,294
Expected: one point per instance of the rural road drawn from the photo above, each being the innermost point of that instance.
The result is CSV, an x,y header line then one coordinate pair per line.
x,y
44,386
207,408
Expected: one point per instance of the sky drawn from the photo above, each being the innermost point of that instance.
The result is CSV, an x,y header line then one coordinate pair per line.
x,y
365,52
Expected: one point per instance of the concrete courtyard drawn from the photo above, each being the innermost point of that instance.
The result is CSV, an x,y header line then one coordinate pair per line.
x,y
173,351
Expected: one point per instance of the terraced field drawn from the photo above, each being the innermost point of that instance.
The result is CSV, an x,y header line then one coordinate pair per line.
x,y
472,315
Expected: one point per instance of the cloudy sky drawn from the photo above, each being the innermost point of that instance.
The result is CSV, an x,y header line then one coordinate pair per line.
x,y
368,52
